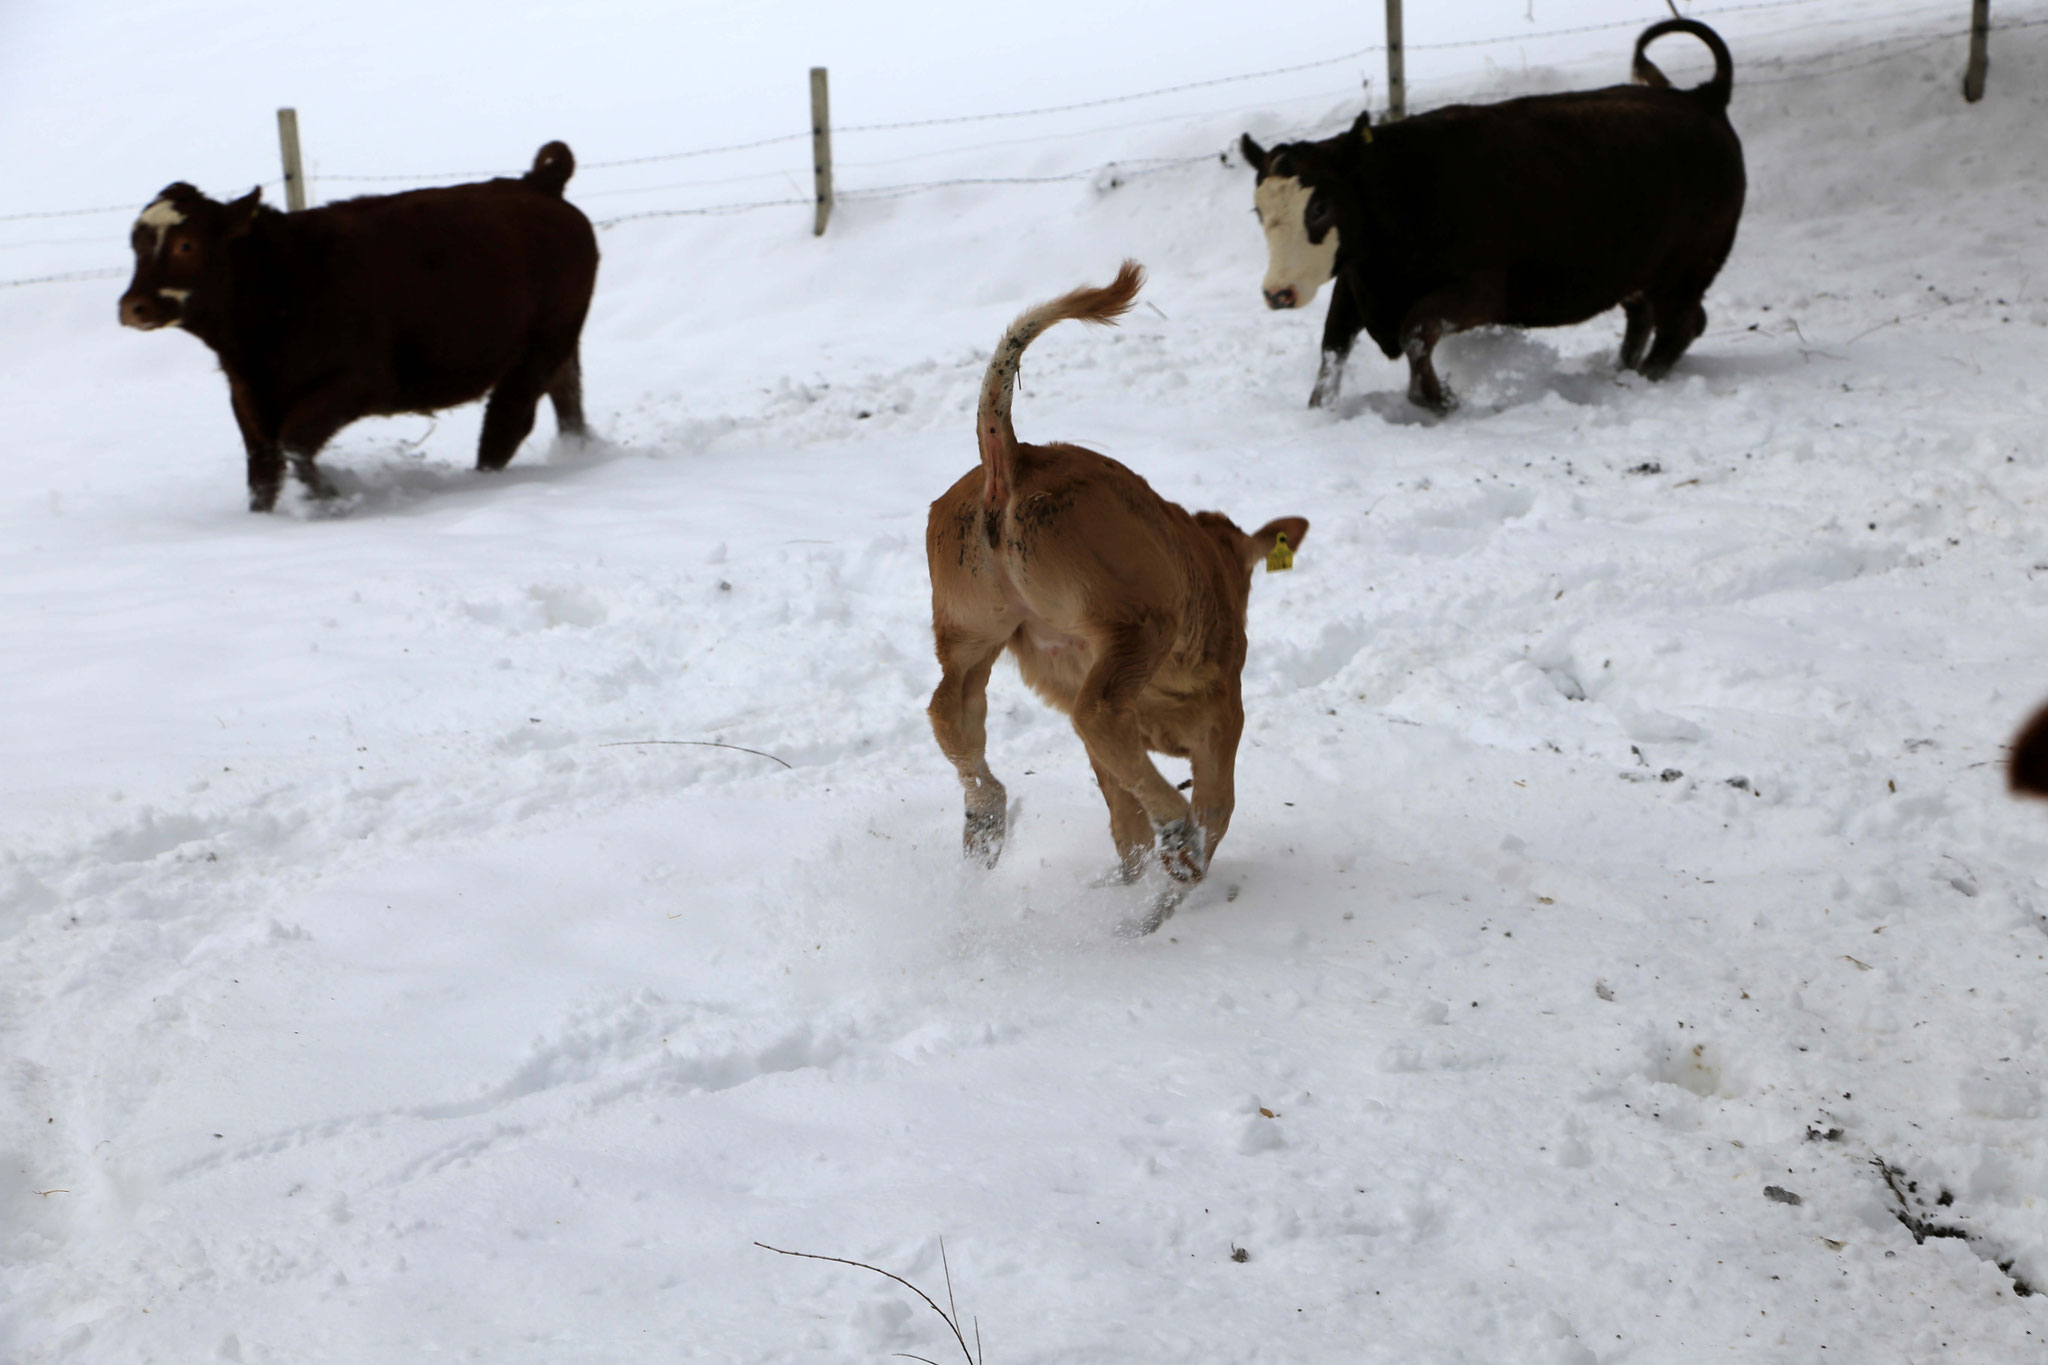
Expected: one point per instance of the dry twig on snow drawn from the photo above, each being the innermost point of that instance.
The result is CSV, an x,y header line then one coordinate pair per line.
x,y
952,1320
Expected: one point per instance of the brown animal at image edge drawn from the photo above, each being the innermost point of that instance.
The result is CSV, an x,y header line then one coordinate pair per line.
x,y
2026,768
1121,609
1533,212
401,303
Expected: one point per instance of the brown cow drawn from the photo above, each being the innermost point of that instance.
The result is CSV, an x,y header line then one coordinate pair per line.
x,y
1123,611
392,303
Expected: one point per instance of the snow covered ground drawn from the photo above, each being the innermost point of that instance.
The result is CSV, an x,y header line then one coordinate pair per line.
x,y
1620,826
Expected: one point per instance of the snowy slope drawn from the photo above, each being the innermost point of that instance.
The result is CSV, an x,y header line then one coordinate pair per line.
x,y
1620,826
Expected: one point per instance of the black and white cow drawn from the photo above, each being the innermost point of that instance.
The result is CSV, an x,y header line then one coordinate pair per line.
x,y
1534,212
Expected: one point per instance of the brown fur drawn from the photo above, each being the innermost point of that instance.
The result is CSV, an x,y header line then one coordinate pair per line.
x,y
1122,610
2027,767
390,303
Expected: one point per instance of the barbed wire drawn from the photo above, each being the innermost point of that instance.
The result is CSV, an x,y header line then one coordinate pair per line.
x,y
1367,50
112,273
1114,170
709,211
588,165
1900,46
129,207
1885,49
65,213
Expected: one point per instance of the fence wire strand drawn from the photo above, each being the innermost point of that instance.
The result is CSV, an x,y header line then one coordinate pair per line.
x,y
426,177
1793,69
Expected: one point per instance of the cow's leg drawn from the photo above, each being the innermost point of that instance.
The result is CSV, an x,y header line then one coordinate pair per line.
x,y
1469,303
266,462
1425,390
1127,825
308,428
1681,319
508,416
1107,723
959,716
1341,326
1214,755
1214,758
1636,335
565,391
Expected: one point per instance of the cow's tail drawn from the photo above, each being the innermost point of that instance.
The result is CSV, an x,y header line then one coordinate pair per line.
x,y
1717,89
552,167
998,440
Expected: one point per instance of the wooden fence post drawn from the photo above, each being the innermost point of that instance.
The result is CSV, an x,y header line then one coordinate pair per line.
x,y
1980,34
821,147
294,169
1397,75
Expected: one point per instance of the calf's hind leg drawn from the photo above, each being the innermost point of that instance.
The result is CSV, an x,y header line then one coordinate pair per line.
x,y
1127,825
1214,762
1107,724
959,716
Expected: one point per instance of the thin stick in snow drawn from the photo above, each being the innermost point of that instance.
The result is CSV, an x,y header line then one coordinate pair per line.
x,y
951,1320
700,744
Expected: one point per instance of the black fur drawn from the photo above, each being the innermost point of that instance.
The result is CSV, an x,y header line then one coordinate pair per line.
x,y
1534,212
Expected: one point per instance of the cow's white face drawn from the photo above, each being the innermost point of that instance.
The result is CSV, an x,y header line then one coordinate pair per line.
x,y
1301,240
160,218
168,259
150,302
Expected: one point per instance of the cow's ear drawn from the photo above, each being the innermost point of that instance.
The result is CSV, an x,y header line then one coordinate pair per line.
x,y
241,214
1254,154
1266,543
1361,127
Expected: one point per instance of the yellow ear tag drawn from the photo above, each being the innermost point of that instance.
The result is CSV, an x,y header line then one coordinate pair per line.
x,y
1280,556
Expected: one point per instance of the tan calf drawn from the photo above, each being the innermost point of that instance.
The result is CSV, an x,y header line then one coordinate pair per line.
x,y
1122,610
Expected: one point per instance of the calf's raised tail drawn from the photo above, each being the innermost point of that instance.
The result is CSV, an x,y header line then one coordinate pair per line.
x,y
1716,91
998,440
552,167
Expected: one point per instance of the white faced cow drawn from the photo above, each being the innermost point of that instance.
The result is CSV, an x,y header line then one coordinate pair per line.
x,y
1535,212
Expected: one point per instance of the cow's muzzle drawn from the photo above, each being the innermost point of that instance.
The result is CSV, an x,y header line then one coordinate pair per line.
x,y
145,313
1279,299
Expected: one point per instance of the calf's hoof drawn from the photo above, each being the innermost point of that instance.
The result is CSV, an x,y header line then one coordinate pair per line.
x,y
1157,913
262,497
1183,851
982,838
1126,871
